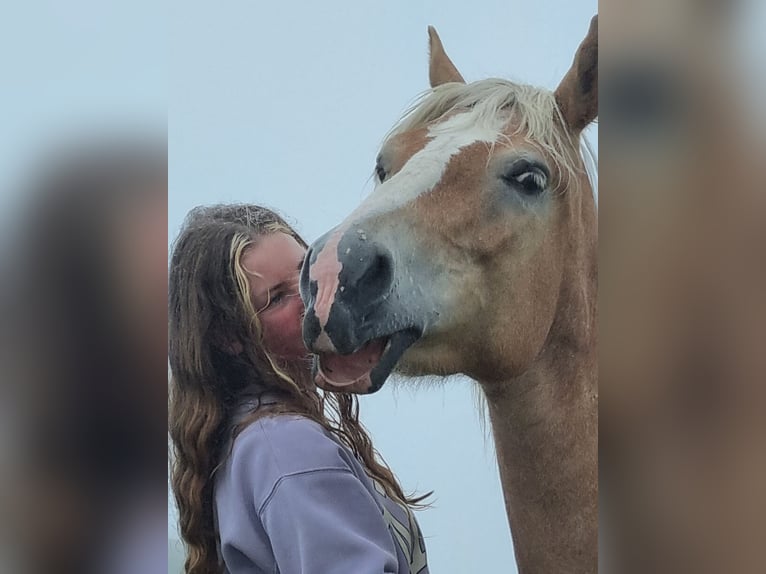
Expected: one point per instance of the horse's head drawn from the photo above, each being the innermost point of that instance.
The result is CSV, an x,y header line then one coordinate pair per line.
x,y
456,262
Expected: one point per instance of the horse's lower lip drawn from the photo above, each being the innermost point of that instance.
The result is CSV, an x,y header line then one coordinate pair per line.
x,y
397,345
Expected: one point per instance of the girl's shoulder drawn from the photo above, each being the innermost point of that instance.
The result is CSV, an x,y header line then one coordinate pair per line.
x,y
275,448
281,445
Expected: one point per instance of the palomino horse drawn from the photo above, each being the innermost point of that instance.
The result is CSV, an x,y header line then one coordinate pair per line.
x,y
476,254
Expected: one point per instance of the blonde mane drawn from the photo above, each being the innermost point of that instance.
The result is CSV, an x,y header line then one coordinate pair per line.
x,y
533,110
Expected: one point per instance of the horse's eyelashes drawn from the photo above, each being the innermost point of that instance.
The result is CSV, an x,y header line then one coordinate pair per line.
x,y
532,181
527,177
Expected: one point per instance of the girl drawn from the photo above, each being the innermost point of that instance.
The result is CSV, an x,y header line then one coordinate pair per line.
x,y
269,473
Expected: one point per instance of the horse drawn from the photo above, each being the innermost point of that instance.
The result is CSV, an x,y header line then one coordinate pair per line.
x,y
476,253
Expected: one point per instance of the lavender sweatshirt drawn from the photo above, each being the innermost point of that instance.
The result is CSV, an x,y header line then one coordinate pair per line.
x,y
290,499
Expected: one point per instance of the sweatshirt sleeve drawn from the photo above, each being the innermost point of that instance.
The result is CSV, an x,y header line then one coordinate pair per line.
x,y
326,522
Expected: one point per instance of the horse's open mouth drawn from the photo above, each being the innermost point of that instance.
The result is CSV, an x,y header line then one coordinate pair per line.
x,y
365,370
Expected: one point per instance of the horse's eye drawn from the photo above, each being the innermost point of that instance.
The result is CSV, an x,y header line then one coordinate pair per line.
x,y
528,178
380,171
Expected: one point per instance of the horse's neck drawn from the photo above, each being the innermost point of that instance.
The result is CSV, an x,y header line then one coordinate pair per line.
x,y
545,432
545,426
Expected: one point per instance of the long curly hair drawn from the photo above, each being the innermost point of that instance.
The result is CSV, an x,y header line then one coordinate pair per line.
x,y
210,313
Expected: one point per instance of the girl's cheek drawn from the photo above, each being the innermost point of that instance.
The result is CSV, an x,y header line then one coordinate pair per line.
x,y
282,330
290,314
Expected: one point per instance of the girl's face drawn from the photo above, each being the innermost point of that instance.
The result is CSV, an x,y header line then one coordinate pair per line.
x,y
273,265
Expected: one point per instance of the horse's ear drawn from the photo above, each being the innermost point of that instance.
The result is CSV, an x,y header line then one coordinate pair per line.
x,y
577,94
440,68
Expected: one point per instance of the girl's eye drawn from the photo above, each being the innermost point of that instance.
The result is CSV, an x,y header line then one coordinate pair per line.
x,y
276,299
281,293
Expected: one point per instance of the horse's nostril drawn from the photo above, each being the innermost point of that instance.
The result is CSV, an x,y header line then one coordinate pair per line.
x,y
378,274
311,328
376,277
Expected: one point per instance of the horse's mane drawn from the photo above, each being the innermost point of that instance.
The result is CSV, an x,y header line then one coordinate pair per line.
x,y
533,110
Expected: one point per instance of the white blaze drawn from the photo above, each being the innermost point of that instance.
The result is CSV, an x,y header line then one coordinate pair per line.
x,y
425,168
